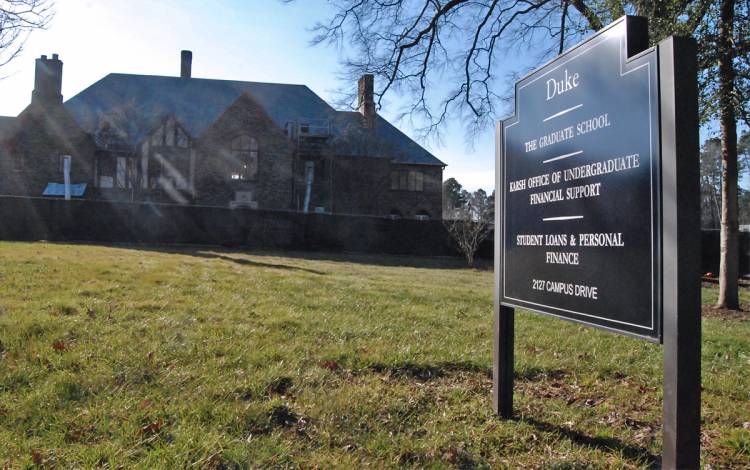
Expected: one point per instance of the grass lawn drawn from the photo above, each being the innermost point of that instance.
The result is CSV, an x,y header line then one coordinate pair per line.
x,y
202,358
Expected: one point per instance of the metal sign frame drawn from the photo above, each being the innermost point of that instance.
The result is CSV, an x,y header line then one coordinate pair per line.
x,y
679,289
611,66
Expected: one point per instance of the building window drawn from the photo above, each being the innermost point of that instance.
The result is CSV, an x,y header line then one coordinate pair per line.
x,y
106,166
182,139
416,181
122,172
169,134
245,158
407,180
422,215
106,182
158,137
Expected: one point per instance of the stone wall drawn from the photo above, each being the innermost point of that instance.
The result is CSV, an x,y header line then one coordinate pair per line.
x,y
200,169
360,185
272,188
429,201
31,155
102,221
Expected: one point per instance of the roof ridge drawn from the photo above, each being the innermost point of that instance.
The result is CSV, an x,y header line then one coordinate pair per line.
x,y
197,102
206,79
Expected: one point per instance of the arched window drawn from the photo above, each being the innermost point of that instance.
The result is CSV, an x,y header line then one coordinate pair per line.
x,y
245,158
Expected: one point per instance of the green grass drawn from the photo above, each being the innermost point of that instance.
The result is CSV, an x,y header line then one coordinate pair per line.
x,y
155,358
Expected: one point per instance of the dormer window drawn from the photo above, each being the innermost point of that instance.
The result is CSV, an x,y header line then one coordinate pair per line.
x,y
158,137
182,139
245,158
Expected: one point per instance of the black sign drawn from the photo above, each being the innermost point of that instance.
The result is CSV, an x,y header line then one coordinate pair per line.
x,y
581,184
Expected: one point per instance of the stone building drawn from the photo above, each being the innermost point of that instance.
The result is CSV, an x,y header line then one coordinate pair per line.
x,y
32,145
218,142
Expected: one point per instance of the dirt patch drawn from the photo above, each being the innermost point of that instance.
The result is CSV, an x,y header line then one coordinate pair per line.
x,y
280,386
714,281
427,372
282,416
713,312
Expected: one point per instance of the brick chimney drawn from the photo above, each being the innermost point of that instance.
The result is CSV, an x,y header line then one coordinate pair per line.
x,y
47,80
186,64
366,100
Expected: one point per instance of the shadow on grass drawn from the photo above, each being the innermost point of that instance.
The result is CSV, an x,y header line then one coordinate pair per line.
x,y
209,252
247,262
386,260
425,372
533,374
635,454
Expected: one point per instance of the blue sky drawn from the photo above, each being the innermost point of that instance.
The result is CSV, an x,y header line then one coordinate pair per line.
x,y
257,40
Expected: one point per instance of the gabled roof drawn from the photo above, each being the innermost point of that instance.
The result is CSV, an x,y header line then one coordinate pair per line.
x,y
54,120
197,103
384,140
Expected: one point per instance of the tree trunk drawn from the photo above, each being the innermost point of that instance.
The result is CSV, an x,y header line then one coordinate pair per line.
x,y
729,260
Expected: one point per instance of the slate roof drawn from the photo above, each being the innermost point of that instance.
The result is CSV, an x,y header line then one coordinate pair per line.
x,y
387,140
196,103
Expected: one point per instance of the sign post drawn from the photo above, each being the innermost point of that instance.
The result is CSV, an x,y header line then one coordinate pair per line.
x,y
681,222
597,214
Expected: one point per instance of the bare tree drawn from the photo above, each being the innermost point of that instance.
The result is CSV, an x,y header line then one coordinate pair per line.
x,y
723,37
18,18
470,224
409,45
727,78
722,31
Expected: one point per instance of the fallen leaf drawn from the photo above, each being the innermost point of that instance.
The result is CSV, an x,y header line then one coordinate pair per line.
x,y
152,428
330,365
145,403
36,457
59,346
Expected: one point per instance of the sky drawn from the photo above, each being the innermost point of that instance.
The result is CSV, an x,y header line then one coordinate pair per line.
x,y
249,40
258,40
